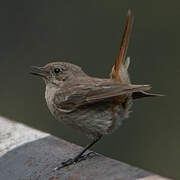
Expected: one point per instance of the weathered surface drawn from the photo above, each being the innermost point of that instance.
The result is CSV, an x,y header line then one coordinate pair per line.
x,y
153,177
13,134
32,155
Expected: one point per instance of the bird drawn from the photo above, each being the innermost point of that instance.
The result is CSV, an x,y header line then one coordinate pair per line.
x,y
95,106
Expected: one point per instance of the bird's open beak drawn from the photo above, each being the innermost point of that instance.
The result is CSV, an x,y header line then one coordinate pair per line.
x,y
38,71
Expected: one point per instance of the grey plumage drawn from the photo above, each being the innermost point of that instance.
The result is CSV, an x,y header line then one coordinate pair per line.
x,y
93,105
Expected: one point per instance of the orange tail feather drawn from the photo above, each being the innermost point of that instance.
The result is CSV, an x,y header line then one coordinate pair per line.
x,y
123,49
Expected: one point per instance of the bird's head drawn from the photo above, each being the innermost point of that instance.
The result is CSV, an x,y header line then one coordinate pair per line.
x,y
57,73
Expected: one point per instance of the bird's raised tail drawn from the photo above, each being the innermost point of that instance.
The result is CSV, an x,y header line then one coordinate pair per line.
x,y
120,69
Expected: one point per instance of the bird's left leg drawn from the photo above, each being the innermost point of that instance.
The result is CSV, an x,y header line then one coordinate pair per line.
x,y
80,156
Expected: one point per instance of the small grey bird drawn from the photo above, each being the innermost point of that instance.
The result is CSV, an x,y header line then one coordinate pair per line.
x,y
93,105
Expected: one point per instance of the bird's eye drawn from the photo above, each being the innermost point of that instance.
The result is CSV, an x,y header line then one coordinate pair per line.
x,y
57,70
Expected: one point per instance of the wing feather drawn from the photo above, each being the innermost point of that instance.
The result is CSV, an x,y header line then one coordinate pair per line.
x,y
93,94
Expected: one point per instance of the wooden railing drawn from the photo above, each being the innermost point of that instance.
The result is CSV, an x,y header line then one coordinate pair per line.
x,y
28,154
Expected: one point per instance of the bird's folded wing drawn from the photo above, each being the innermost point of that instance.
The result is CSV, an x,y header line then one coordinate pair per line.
x,y
93,94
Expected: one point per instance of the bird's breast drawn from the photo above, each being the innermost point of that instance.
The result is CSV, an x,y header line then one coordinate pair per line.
x,y
49,96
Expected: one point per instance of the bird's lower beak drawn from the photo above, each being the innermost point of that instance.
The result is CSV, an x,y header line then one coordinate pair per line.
x,y
38,71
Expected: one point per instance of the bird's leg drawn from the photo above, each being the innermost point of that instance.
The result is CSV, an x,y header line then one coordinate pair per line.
x,y
80,156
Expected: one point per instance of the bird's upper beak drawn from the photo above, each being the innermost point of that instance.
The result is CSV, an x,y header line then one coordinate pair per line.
x,y
38,71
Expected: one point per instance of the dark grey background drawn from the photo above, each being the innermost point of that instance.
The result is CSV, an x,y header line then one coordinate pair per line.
x,y
88,33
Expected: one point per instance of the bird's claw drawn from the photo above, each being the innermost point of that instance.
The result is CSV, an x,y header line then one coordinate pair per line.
x,y
75,160
65,163
88,155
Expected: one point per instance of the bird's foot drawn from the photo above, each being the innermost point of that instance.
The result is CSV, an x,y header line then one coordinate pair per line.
x,y
76,160
65,163
87,156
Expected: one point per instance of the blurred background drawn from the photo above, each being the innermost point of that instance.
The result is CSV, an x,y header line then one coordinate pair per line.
x,y
88,33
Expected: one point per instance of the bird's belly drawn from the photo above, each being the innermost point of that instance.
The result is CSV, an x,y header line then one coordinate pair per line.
x,y
95,120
